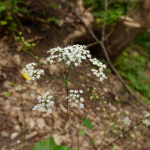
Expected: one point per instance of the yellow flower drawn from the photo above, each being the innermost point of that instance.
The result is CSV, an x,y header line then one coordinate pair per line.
x,y
25,76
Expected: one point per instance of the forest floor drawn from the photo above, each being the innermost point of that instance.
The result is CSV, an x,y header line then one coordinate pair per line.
x,y
39,125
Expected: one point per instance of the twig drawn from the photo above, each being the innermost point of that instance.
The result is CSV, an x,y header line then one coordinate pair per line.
x,y
106,54
92,44
104,24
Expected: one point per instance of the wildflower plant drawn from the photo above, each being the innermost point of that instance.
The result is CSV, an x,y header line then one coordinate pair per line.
x,y
73,56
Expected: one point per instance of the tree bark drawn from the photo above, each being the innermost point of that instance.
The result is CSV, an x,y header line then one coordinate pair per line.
x,y
128,28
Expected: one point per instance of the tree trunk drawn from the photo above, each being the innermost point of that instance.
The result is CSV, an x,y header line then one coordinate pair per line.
x,y
128,28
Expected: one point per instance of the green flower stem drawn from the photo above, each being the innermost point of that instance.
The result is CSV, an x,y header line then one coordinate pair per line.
x,y
29,53
107,133
67,91
24,139
105,136
142,132
63,71
79,79
123,134
68,114
68,70
68,106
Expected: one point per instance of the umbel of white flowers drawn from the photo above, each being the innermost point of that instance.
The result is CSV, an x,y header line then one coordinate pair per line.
x,y
74,98
71,55
45,102
75,54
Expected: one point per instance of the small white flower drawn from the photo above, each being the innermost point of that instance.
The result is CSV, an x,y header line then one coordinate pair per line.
x,y
18,141
39,97
146,122
68,62
52,102
126,120
51,61
80,91
77,95
43,109
59,59
147,115
49,111
76,91
76,64
49,97
81,105
77,101
72,105
88,55
101,79
69,100
81,99
28,81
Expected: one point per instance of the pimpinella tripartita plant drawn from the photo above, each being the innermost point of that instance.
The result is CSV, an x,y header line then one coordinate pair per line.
x,y
71,57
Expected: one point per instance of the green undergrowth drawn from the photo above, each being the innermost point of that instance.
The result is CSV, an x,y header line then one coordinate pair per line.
x,y
134,66
8,11
114,10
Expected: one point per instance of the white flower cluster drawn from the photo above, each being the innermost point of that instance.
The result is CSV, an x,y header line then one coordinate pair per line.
x,y
126,120
32,72
99,72
74,55
146,121
45,102
74,97
71,54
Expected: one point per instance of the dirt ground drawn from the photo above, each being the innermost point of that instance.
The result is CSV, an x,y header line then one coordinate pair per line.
x,y
39,125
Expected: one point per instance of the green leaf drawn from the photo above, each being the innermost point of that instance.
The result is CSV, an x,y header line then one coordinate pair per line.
x,y
2,7
82,132
54,5
7,94
49,144
13,24
93,142
53,19
87,123
10,28
9,18
36,57
3,22
12,84
61,147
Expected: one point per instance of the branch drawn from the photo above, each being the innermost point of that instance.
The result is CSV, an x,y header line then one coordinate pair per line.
x,y
101,43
